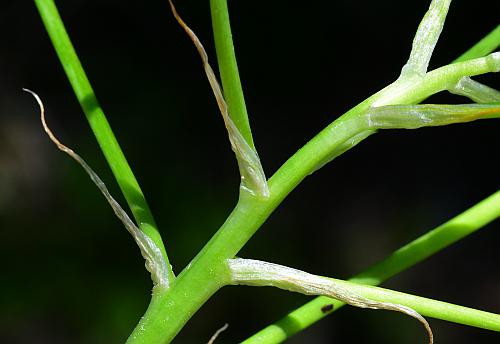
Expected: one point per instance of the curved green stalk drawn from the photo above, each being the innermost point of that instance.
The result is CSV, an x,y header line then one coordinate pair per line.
x,y
228,68
100,126
414,252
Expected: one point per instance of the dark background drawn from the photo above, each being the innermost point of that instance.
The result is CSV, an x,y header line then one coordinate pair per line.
x,y
71,274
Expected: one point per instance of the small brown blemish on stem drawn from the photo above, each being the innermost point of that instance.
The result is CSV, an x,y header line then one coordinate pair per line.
x,y
327,308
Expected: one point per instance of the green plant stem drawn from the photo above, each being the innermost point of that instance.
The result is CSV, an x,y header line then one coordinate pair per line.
x,y
100,126
437,80
206,273
228,68
414,252
486,45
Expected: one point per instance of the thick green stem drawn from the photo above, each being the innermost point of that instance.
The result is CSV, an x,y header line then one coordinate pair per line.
x,y
100,126
207,273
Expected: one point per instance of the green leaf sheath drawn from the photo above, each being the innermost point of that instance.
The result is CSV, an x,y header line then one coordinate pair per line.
x,y
475,91
426,115
228,68
416,251
100,126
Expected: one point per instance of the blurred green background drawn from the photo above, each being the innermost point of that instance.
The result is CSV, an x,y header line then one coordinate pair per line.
x,y
71,274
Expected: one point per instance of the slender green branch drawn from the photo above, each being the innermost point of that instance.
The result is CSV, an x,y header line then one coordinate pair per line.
x,y
428,307
485,46
472,89
413,90
253,178
351,128
414,252
231,84
100,126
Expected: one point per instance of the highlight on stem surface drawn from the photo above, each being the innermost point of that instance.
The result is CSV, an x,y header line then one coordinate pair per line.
x,y
252,174
258,273
155,263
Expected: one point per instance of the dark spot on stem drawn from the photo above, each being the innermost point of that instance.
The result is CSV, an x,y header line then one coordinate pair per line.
x,y
327,308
